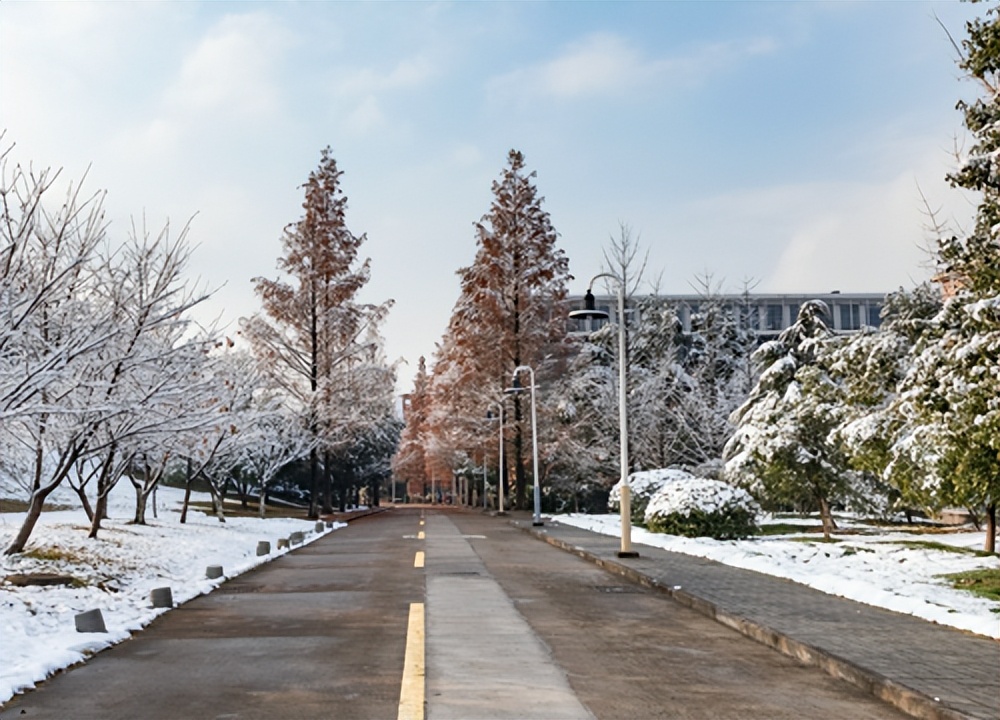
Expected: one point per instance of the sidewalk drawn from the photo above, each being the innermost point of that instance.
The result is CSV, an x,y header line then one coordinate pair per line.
x,y
927,670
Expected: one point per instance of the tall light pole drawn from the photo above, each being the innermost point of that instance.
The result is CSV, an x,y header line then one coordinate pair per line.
x,y
591,312
500,510
537,519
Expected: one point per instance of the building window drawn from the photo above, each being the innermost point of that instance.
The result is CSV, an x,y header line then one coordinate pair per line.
x,y
793,313
850,316
874,316
773,317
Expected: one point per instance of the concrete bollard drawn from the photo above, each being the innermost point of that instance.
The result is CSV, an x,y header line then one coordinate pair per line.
x,y
161,597
213,571
282,543
90,621
296,538
263,547
320,527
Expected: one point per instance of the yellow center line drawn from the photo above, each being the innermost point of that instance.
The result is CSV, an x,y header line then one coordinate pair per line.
x,y
411,693
420,535
418,559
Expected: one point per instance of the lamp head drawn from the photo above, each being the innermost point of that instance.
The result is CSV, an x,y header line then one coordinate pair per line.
x,y
590,311
515,386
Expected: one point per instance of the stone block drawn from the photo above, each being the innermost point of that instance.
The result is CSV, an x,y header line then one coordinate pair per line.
x,y
213,571
161,597
90,621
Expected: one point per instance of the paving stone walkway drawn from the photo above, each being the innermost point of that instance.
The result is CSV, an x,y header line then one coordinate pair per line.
x,y
927,670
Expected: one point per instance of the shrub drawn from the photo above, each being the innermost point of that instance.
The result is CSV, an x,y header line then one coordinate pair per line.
x,y
644,485
697,507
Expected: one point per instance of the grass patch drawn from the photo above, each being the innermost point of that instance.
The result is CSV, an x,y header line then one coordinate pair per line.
x,y
931,545
53,553
233,508
815,540
787,529
984,583
12,505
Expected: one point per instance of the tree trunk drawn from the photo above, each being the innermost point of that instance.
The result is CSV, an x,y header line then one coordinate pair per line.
x,y
327,484
34,512
991,528
824,511
187,493
218,500
81,492
141,499
313,485
100,512
520,481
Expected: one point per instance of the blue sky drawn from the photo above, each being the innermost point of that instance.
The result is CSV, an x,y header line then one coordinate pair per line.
x,y
778,142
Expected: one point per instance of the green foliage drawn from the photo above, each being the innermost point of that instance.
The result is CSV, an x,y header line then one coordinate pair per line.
x,y
942,547
984,583
727,523
787,529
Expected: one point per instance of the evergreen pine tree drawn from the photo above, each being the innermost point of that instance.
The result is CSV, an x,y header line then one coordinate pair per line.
x,y
782,449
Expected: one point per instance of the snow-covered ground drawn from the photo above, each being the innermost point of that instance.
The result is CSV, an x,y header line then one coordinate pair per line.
x,y
875,568
116,574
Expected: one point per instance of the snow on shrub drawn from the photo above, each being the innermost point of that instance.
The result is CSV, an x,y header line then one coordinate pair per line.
x,y
644,485
698,507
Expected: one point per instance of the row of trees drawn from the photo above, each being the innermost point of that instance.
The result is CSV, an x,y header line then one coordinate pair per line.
x,y
512,311
910,414
104,375
906,417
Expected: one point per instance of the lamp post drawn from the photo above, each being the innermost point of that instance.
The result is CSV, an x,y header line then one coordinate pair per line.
x,y
537,519
590,311
500,510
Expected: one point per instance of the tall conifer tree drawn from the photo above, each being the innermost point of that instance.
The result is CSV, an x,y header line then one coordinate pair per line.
x,y
312,327
511,312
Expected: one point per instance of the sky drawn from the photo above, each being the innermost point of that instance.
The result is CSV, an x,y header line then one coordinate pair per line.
x,y
794,146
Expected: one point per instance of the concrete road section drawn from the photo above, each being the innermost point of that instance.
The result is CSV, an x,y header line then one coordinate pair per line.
x,y
318,633
483,659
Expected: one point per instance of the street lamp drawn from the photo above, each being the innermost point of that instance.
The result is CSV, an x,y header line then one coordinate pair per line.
x,y
537,519
590,312
489,416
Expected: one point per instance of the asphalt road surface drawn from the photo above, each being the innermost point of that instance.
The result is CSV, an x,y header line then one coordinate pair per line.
x,y
426,612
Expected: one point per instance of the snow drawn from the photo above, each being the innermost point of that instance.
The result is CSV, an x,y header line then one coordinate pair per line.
x,y
117,572
681,495
876,569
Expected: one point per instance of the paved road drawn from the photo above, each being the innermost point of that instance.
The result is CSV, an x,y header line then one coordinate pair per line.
x,y
318,633
514,628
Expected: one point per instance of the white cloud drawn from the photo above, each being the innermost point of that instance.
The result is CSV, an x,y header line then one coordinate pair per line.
x,y
233,69
408,73
603,64
366,117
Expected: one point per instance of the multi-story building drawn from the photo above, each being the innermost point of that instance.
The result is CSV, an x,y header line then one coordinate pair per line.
x,y
766,313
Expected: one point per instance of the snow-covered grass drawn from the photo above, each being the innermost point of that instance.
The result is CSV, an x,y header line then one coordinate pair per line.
x,y
887,568
115,574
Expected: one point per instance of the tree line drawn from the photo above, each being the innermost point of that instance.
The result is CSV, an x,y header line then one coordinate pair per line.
x,y
903,419
105,376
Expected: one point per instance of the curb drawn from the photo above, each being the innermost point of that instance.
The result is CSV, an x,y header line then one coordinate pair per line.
x,y
349,517
912,702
